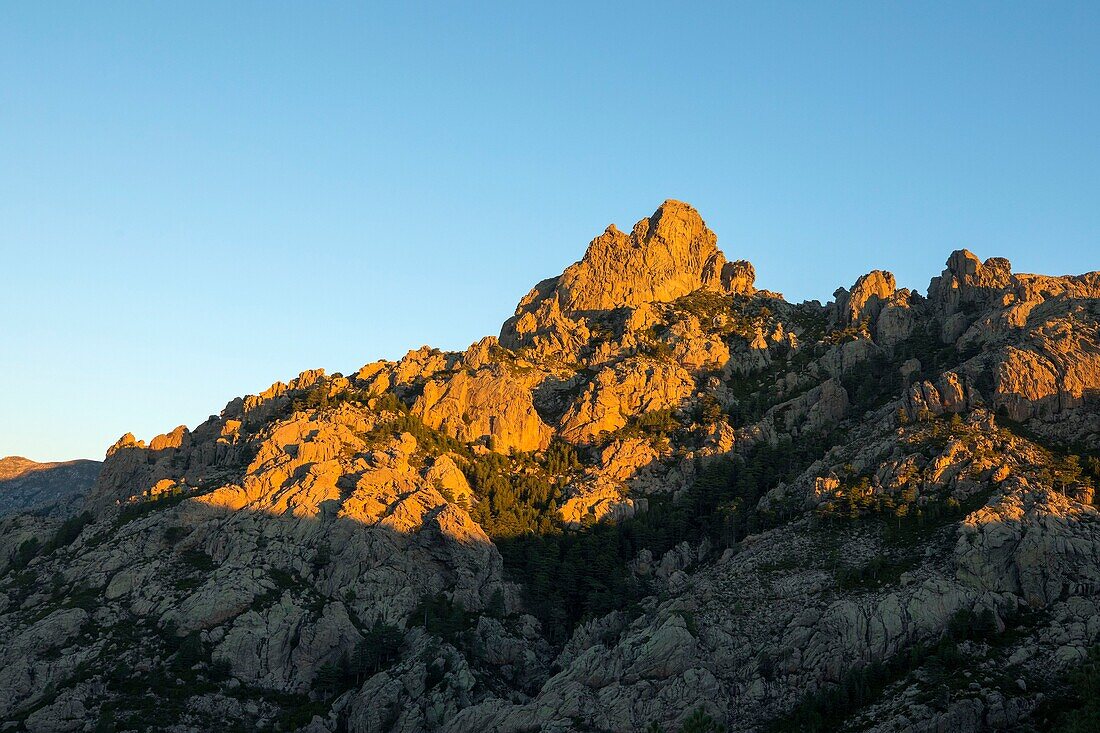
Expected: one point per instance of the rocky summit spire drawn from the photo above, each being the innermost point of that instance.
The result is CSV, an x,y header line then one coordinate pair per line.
x,y
666,256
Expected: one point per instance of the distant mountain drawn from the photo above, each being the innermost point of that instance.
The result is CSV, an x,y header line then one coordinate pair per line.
x,y
27,486
663,499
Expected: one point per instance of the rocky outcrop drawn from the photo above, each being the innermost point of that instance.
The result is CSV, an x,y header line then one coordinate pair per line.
x,y
667,255
622,391
951,394
1033,543
1047,379
493,405
874,303
865,300
968,281
670,254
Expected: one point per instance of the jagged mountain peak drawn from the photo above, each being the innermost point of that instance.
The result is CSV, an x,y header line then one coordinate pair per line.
x,y
667,255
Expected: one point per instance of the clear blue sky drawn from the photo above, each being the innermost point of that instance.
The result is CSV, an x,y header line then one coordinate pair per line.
x,y
198,199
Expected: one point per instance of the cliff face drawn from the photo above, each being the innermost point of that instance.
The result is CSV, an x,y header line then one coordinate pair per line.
x,y
661,492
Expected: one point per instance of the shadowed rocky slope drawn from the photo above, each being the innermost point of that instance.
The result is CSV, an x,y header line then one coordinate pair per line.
x,y
662,499
53,488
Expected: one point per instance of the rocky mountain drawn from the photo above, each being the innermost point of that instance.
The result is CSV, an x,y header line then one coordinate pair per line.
x,y
662,499
55,488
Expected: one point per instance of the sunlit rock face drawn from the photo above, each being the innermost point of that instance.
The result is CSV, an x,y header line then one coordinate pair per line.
x,y
661,494
493,404
666,256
